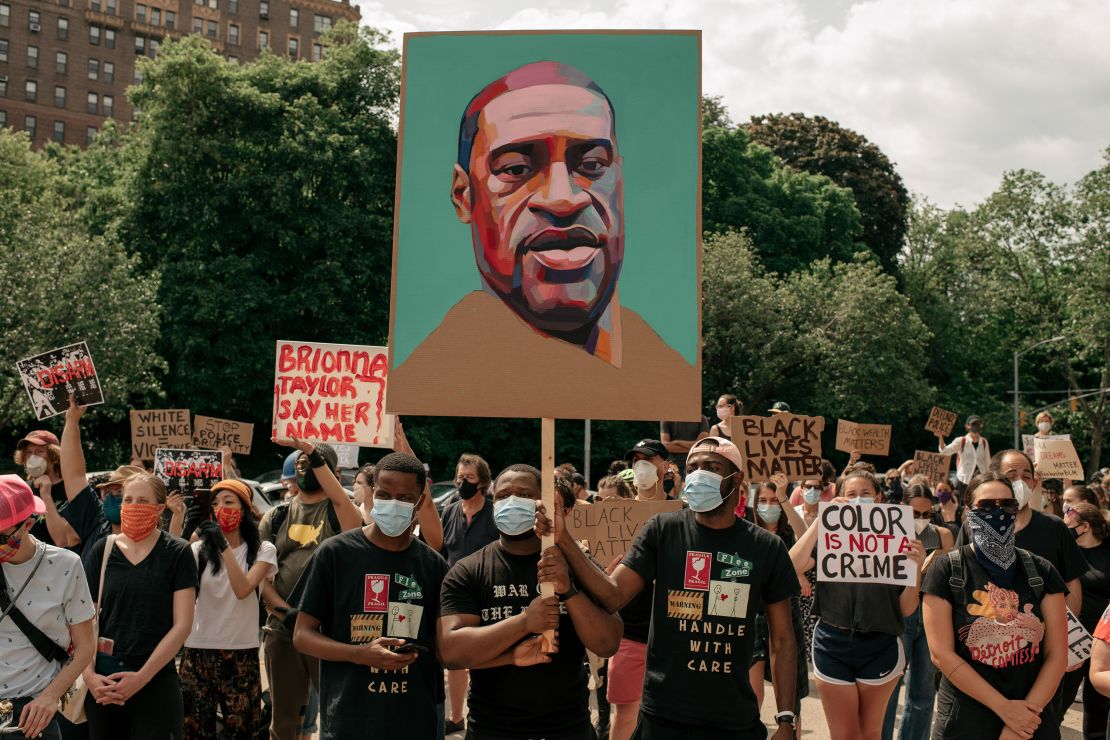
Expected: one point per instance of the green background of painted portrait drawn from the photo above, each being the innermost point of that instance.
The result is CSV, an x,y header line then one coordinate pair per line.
x,y
652,80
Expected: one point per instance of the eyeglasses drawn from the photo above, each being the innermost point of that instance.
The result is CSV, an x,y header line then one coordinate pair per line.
x,y
1008,505
923,515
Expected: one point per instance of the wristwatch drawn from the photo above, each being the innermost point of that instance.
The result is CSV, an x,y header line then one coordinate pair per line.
x,y
786,718
570,593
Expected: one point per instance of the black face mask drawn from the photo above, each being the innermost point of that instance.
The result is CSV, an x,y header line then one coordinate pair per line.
x,y
307,482
668,485
467,490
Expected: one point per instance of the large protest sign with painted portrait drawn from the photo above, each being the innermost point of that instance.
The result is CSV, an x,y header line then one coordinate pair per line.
x,y
547,230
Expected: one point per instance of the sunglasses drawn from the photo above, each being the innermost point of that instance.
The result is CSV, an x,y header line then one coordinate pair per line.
x,y
923,515
1008,506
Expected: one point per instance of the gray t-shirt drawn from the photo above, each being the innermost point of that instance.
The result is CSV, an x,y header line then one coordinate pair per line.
x,y
57,597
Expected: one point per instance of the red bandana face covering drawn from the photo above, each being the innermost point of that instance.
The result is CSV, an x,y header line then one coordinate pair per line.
x,y
228,519
138,520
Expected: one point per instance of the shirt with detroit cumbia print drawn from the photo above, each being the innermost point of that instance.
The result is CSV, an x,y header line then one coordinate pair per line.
x,y
709,586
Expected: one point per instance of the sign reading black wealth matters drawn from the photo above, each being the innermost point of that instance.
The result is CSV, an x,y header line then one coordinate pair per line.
x,y
610,526
154,428
867,439
866,543
49,378
184,471
783,443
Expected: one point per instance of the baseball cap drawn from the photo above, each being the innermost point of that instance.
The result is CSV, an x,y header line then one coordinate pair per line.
x,y
38,437
289,467
779,407
17,501
649,447
120,474
723,447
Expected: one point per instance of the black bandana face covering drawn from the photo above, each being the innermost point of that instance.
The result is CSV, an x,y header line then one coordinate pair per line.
x,y
993,534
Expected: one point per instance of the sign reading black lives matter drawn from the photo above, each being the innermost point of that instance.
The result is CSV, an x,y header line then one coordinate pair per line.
x,y
184,471
783,443
50,377
866,543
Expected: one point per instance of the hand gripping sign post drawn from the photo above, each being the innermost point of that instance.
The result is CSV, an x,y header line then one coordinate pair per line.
x,y
866,543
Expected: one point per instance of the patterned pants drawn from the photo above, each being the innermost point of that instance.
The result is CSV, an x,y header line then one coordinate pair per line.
x,y
227,679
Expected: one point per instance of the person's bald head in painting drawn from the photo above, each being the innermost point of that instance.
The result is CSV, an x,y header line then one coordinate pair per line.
x,y
539,180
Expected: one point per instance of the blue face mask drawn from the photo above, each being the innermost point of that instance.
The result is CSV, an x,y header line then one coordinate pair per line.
x,y
769,513
703,490
865,499
392,517
811,496
111,506
514,515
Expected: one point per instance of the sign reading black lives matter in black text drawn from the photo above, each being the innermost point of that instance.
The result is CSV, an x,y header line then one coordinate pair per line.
x,y
866,543
184,471
783,443
49,378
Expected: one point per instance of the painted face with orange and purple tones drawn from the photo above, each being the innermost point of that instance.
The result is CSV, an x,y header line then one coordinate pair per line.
x,y
543,196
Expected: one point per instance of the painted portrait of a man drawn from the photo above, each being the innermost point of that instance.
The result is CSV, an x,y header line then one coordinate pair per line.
x,y
537,188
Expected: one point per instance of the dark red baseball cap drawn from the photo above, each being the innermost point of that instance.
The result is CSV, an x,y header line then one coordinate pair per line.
x,y
38,437
17,501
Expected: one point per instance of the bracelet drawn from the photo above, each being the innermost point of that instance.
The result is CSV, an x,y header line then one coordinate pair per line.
x,y
953,673
315,459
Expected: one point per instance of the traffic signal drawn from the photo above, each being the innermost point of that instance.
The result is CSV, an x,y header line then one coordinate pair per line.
x,y
1022,419
1074,404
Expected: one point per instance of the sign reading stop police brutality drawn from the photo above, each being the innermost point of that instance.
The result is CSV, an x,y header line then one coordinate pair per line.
x,y
184,471
210,433
331,393
783,443
866,543
49,378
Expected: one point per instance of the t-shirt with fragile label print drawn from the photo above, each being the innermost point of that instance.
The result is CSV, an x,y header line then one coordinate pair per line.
x,y
709,585
998,631
527,702
361,592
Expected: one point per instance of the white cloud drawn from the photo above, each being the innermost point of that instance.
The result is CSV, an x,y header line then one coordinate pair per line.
x,y
954,91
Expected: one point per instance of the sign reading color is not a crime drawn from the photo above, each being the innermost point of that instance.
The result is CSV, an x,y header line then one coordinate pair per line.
x,y
610,526
866,543
783,443
331,393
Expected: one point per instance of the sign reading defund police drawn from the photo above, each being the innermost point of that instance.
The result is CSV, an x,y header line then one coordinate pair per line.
x,y
866,543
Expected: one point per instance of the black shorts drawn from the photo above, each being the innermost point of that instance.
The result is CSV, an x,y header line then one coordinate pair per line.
x,y
842,657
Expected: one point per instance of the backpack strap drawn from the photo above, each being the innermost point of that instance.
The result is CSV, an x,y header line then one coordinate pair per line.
x,y
333,519
46,647
957,575
1036,582
277,520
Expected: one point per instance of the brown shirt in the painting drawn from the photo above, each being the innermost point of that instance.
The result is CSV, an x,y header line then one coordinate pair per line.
x,y
482,360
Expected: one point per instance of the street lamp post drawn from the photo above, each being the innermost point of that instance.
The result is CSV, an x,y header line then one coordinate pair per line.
x,y
1017,385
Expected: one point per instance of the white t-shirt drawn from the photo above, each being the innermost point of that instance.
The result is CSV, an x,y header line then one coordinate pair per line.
x,y
57,597
223,622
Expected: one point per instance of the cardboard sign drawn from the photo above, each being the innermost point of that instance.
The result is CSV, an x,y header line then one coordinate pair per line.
x,y
1079,642
49,378
210,433
782,443
348,455
1028,447
184,471
1057,458
154,428
331,393
610,526
865,543
869,439
933,465
940,421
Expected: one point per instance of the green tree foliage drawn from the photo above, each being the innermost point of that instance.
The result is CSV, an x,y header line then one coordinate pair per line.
x,y
65,286
820,146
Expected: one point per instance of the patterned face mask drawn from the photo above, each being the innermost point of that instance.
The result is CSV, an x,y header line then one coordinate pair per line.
x,y
10,543
993,534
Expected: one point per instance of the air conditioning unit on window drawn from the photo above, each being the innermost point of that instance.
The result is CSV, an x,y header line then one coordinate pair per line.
x,y
263,15
3,78
35,27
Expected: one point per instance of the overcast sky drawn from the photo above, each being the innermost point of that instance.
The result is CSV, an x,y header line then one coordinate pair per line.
x,y
955,92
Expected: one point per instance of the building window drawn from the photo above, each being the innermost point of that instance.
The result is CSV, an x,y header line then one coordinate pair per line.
x,y
94,69
34,20
294,17
211,29
30,124
140,12
154,44
233,6
94,35
156,16
321,23
263,40
90,134
110,38
109,72
233,34
171,19
111,6
198,24
3,50
317,52
33,57
293,47
3,118
63,28
60,132
63,3
92,103
61,62
95,5
214,4
59,96
3,87
108,104
5,15
232,58
140,44
264,9
31,91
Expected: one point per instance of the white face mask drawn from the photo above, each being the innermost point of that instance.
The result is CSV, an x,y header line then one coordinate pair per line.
x,y
920,524
35,466
1022,493
1044,427
724,412
646,474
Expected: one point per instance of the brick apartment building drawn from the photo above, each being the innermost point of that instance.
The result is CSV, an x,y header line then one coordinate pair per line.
x,y
65,64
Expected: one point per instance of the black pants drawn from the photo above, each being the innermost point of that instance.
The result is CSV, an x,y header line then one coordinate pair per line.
x,y
155,712
585,732
1096,707
959,717
50,733
656,728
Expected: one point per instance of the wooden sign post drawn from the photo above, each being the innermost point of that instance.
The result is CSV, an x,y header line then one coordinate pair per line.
x,y
547,498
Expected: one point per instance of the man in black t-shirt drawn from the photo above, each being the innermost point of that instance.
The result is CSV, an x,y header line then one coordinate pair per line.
x,y
712,574
368,605
491,621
